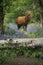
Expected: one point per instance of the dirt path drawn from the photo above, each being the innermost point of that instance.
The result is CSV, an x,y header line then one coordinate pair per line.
x,y
24,61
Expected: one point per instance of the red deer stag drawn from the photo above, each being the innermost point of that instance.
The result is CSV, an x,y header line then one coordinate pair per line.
x,y
23,20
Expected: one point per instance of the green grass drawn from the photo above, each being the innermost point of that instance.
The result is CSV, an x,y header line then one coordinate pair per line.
x,y
34,35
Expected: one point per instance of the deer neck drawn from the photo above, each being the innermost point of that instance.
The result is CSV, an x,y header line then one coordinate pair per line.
x,y
27,17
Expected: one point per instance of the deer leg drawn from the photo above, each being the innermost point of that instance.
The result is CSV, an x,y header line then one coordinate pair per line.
x,y
18,26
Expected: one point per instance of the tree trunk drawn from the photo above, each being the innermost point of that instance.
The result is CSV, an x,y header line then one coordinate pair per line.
x,y
1,17
41,8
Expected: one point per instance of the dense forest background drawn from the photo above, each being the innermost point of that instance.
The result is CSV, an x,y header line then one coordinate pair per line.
x,y
14,8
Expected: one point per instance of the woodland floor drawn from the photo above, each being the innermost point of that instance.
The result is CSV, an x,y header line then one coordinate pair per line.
x,y
24,61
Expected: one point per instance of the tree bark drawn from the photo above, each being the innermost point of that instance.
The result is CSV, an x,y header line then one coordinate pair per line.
x,y
1,16
41,8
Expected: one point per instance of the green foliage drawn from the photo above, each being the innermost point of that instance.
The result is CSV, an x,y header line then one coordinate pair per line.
x,y
19,7
9,17
5,54
34,35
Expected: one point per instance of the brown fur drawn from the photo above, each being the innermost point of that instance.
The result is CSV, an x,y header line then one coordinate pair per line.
x,y
23,20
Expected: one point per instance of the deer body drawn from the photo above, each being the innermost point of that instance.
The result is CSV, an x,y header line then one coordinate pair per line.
x,y
23,21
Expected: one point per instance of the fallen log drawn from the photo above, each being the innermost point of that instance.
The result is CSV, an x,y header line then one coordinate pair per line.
x,y
29,42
